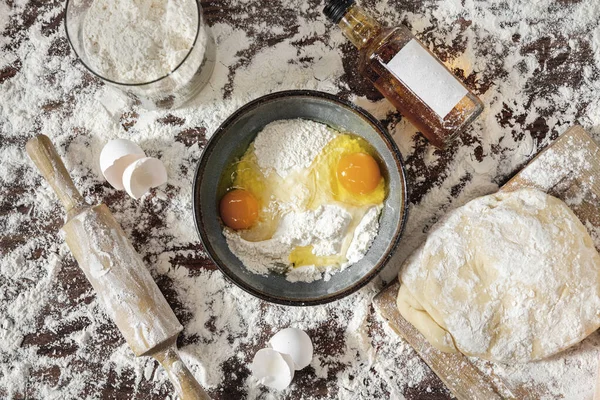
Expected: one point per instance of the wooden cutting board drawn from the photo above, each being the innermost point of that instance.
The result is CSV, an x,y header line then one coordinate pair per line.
x,y
568,169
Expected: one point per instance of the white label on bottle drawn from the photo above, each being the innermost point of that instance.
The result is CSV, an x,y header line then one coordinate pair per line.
x,y
427,78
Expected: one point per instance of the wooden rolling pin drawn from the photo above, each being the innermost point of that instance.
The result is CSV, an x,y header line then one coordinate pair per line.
x,y
117,273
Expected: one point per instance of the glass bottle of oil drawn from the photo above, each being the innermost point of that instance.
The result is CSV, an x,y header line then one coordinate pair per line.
x,y
407,74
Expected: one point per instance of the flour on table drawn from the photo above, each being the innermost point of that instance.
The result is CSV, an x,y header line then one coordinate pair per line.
x,y
508,50
138,41
575,159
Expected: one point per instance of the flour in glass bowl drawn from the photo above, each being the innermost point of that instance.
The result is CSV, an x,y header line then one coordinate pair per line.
x,y
57,343
288,148
139,41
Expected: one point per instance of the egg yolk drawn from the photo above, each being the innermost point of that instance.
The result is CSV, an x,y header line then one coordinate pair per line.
x,y
239,209
358,173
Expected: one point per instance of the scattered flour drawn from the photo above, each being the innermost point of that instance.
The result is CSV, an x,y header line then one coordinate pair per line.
x,y
141,40
55,340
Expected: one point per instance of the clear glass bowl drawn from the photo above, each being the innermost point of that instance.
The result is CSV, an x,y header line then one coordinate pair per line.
x,y
169,91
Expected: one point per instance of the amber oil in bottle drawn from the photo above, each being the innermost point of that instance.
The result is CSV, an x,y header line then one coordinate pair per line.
x,y
407,74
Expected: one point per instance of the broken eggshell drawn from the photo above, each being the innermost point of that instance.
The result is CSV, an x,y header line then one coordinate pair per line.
x,y
295,343
115,157
142,175
272,368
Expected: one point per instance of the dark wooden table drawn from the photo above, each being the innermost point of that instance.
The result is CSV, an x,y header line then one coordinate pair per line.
x,y
43,353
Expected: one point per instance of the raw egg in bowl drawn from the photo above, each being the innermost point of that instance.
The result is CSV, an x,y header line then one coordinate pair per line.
x,y
358,169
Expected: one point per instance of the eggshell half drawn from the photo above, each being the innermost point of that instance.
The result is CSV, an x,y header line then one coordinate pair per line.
x,y
273,369
295,343
143,174
117,155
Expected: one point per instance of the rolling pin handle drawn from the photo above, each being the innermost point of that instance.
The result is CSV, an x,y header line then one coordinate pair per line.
x,y
44,156
185,384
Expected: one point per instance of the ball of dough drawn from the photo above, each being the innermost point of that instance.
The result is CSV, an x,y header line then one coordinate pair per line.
x,y
509,277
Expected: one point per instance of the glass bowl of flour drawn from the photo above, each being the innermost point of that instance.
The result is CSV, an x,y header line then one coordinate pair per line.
x,y
158,52
244,261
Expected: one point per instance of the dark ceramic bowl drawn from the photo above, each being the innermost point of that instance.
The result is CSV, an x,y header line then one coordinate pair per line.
x,y
230,142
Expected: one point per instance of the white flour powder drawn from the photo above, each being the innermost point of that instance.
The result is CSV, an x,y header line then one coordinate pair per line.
x,y
137,41
285,147
508,49
288,145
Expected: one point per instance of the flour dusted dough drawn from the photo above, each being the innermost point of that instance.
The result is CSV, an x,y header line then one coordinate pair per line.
x,y
509,277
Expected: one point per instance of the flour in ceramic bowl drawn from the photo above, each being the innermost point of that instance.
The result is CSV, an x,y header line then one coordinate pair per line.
x,y
288,148
284,146
261,50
